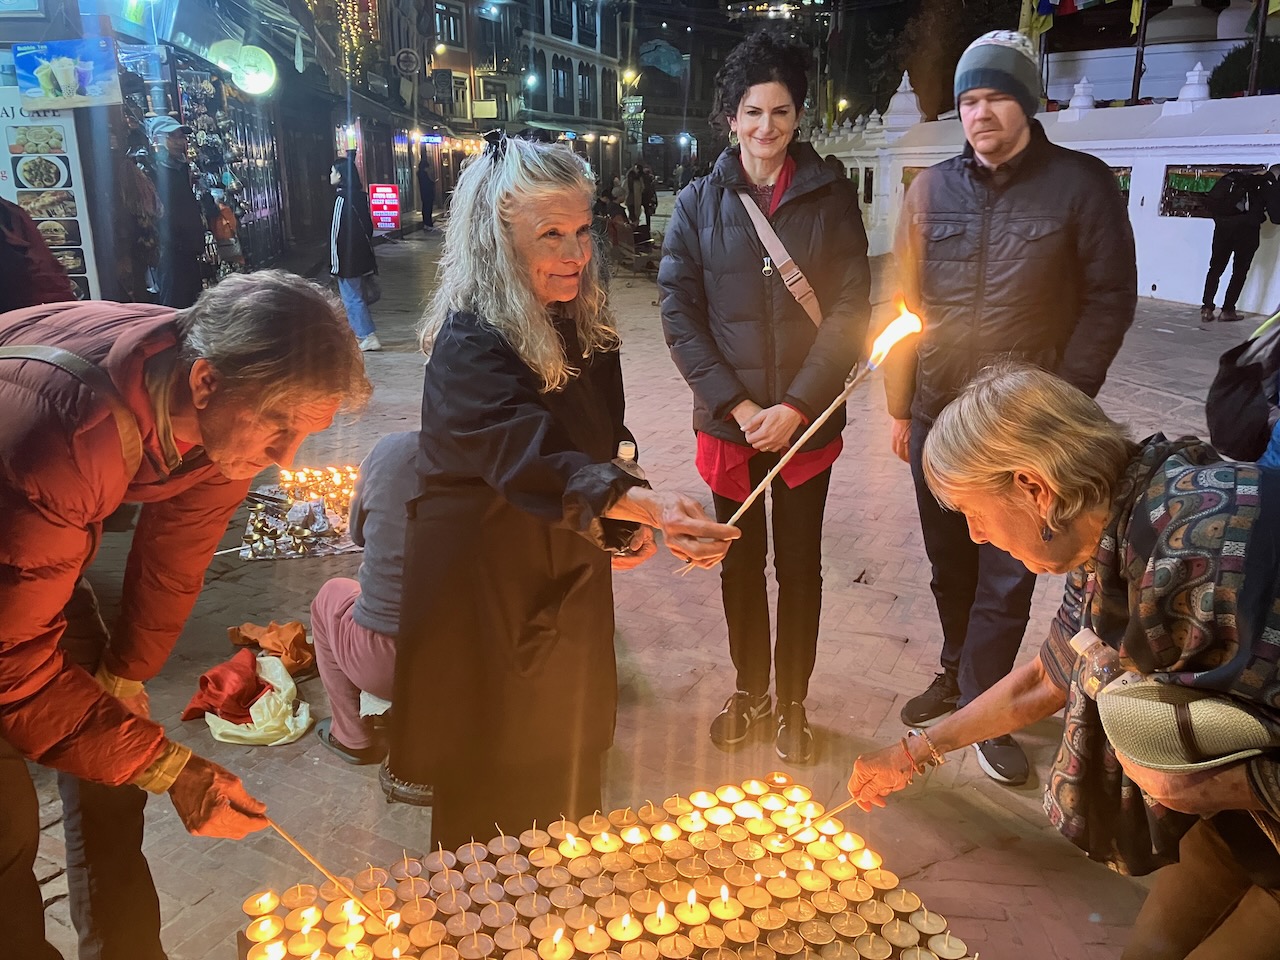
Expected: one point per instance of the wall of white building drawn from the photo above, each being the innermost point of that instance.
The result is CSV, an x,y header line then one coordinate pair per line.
x,y
1173,252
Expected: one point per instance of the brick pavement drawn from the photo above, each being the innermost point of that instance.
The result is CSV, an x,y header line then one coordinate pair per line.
x,y
980,853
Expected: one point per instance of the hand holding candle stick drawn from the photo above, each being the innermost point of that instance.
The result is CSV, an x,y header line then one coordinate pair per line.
x,y
906,324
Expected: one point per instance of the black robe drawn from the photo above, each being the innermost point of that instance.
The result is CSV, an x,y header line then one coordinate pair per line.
x,y
506,685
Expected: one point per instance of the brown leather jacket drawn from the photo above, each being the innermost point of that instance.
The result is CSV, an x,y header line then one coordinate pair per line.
x,y
63,472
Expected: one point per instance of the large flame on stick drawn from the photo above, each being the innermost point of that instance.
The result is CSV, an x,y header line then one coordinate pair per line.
x,y
906,324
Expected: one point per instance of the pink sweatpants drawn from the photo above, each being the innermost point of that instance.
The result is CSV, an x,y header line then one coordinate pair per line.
x,y
350,658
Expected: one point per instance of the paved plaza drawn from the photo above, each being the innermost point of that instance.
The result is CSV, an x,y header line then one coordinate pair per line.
x,y
980,853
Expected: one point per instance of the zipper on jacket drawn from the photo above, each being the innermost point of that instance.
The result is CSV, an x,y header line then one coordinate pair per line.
x,y
975,320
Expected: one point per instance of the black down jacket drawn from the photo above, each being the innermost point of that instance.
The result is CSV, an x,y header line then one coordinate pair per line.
x,y
1036,262
736,334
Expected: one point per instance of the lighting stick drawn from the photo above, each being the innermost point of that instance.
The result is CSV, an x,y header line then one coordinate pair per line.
x,y
906,324
351,894
826,816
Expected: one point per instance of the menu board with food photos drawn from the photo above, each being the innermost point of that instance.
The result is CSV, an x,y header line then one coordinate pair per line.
x,y
42,174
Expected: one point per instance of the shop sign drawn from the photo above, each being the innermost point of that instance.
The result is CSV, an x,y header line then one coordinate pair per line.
x,y
442,80
655,139
384,205
43,175
63,74
434,139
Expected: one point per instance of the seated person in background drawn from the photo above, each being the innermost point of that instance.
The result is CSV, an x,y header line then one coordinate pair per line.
x,y
354,622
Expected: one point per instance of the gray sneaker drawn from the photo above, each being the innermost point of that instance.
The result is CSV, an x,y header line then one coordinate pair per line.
x,y
741,712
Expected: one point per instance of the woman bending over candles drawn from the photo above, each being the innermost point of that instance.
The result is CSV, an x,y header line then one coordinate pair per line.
x,y
506,687
1161,652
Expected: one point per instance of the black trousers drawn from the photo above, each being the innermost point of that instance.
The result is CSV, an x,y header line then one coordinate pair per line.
x,y
19,839
1228,242
983,594
797,564
113,898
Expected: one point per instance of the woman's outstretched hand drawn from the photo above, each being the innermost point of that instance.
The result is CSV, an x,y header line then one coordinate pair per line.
x,y
876,775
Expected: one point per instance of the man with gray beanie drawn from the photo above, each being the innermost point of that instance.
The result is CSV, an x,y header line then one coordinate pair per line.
x,y
1017,247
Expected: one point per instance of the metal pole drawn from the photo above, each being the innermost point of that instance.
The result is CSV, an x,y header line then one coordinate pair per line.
x,y
1259,40
1138,52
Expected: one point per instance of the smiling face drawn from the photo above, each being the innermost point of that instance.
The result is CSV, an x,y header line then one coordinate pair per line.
x,y
553,239
994,123
765,121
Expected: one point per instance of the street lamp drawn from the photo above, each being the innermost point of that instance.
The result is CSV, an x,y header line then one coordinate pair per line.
x,y
628,76
843,104
531,81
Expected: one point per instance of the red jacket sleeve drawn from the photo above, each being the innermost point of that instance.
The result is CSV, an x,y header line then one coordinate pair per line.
x,y
52,711
172,546
46,280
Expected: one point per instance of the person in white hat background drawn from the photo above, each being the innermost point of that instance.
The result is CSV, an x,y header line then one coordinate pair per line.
x,y
1170,754
1016,247
182,225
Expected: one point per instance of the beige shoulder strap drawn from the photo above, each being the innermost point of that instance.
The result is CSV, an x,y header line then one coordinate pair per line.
x,y
96,379
791,275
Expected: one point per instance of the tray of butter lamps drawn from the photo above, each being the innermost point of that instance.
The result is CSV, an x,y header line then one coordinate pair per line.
x,y
747,871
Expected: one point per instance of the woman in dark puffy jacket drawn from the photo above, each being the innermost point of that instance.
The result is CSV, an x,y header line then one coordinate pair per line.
x,y
760,369
351,248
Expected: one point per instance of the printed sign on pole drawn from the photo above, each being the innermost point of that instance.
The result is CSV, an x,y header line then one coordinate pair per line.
x,y
384,204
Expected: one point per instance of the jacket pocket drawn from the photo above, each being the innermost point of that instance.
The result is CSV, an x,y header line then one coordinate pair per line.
x,y
1035,238
948,251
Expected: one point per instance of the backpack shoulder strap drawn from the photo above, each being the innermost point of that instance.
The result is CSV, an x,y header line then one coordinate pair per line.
x,y
791,274
96,379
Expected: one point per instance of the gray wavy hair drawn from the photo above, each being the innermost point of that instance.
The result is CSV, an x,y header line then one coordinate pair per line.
x,y
274,337
1015,417
482,272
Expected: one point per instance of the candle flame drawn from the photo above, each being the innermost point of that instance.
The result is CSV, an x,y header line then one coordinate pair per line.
x,y
626,920
316,955
393,921
276,951
395,953
662,911
591,929
306,929
692,898
558,936
724,894
906,324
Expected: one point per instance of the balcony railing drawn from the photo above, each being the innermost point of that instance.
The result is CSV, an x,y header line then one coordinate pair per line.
x,y
562,25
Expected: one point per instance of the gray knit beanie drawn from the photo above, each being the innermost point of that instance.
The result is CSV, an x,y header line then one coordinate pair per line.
x,y
1002,60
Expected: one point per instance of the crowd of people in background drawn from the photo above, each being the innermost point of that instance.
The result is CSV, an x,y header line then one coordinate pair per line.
x,y
492,532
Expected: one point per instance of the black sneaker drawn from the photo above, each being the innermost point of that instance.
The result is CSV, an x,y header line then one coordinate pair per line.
x,y
1229,315
794,743
1206,314
402,791
1002,760
741,712
934,704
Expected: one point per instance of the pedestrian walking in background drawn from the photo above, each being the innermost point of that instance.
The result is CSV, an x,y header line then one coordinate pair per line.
x,y
182,226
676,178
761,367
351,249
178,410
1238,203
31,274
649,196
635,192
427,192
1019,248
522,509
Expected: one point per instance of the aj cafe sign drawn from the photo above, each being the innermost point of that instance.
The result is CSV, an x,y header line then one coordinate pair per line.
x,y
13,113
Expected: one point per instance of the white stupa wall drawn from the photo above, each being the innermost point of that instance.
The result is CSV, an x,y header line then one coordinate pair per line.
x,y
1173,252
1111,71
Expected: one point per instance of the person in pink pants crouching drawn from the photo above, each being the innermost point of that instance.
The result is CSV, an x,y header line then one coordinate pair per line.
x,y
354,622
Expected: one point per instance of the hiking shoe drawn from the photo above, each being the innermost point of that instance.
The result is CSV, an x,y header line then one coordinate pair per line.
x,y
794,742
402,791
741,712
1002,760
1206,314
1229,315
370,344
934,704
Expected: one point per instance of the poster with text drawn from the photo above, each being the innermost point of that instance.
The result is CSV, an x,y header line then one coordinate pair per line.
x,y
64,74
42,174
384,205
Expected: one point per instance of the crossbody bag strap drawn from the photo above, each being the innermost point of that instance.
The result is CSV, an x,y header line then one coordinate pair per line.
x,y
791,274
97,380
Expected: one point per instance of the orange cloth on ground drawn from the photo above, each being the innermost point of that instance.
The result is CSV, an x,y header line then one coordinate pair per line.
x,y
229,690
288,641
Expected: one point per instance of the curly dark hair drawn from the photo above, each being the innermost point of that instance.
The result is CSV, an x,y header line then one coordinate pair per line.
x,y
761,58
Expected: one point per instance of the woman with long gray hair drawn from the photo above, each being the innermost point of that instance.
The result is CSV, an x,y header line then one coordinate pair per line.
x,y
506,687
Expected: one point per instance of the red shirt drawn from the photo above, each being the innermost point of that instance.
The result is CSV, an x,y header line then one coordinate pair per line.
x,y
723,464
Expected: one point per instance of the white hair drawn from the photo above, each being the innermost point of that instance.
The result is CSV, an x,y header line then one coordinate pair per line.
x,y
482,272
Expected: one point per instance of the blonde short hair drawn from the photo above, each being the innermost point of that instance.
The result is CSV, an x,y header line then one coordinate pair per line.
x,y
482,272
1015,417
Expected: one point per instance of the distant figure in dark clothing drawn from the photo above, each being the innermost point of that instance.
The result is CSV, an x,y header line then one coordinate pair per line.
x,y
426,192
836,166
1238,205
182,225
351,248
31,274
